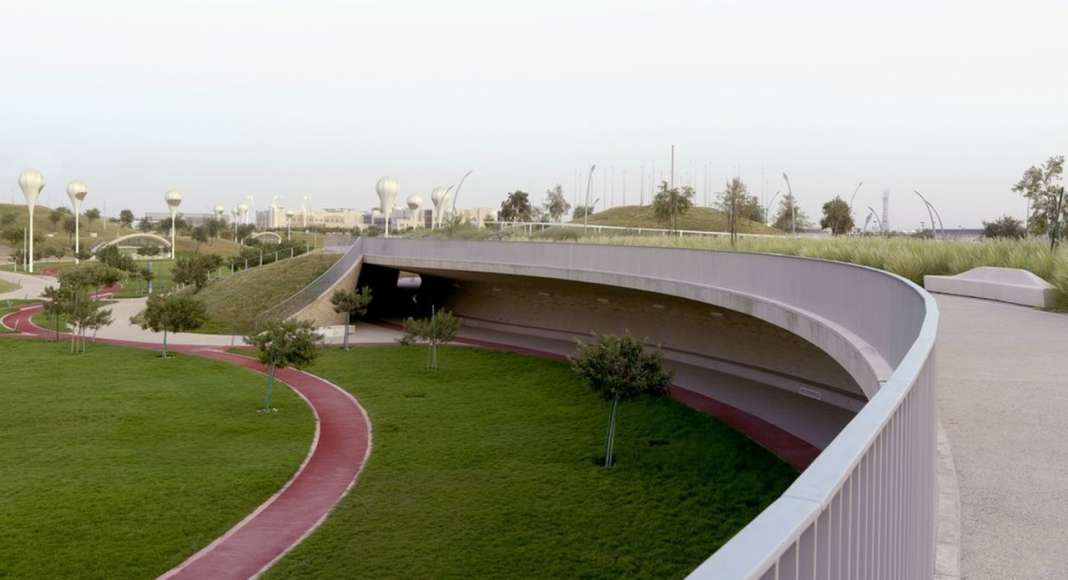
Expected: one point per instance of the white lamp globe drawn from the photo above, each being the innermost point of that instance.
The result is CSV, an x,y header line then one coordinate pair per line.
x,y
76,191
386,188
31,182
220,210
437,195
173,199
415,201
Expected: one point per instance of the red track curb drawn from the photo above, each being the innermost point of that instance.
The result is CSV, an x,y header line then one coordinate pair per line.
x,y
338,453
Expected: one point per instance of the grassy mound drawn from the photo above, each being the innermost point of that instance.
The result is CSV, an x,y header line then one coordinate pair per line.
x,y
698,218
117,464
488,468
236,301
6,286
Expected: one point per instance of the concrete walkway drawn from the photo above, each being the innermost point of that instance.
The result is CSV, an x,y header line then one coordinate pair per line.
x,y
1003,399
31,286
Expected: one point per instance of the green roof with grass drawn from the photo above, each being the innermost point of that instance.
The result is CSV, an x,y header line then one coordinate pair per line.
x,y
697,218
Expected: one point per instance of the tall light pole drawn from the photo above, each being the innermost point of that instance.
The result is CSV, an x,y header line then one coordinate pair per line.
x,y
387,195
249,210
437,197
289,224
793,204
456,194
586,213
173,199
932,213
77,191
236,213
304,211
31,182
220,212
244,207
415,204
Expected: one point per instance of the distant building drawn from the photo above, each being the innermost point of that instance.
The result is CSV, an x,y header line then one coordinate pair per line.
x,y
193,219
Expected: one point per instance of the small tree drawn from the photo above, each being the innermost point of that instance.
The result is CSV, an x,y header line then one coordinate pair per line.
x,y
1045,195
671,204
516,208
349,301
200,235
555,203
837,216
196,269
619,368
789,217
581,211
55,305
282,344
91,215
440,328
171,313
126,218
1004,227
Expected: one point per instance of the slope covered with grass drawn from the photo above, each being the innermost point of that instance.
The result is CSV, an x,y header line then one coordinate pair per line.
x,y
697,218
488,468
235,302
118,464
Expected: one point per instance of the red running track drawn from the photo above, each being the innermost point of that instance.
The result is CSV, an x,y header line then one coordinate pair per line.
x,y
338,453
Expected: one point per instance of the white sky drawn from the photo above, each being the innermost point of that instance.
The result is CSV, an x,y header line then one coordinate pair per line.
x,y
226,97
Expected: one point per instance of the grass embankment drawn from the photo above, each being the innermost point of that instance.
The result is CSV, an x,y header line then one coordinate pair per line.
x,y
6,286
488,468
703,219
117,464
235,302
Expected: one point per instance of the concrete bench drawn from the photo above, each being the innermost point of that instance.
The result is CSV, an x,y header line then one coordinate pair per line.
x,y
1002,284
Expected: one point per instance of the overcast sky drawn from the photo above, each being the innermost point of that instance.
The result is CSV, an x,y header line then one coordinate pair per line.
x,y
224,98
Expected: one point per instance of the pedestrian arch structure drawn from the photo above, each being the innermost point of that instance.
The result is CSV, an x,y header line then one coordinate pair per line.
x,y
140,235
829,365
266,236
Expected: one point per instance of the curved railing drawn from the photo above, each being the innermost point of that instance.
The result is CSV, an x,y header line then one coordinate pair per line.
x,y
866,507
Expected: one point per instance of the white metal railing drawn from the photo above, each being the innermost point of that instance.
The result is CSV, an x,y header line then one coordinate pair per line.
x,y
865,508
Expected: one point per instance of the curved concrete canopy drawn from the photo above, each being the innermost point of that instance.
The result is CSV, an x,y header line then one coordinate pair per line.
x,y
166,243
258,235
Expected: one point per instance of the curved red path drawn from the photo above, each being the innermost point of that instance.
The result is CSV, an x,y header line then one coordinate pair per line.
x,y
339,451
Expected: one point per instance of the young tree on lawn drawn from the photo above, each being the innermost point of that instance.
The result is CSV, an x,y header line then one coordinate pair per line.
x,y
1004,227
789,217
1041,185
286,343
55,304
618,368
126,218
195,269
349,301
671,204
555,203
91,215
516,208
200,235
837,216
440,328
171,313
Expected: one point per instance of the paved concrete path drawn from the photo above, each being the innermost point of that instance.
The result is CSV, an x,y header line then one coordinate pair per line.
x,y
1003,399
31,286
339,451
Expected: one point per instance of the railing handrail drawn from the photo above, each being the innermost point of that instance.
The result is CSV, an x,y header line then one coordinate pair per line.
x,y
640,229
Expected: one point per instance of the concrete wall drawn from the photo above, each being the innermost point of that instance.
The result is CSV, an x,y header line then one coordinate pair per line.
x,y
320,311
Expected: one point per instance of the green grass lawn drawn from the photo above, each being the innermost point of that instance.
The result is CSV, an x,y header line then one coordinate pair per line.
x,y
118,464
236,301
488,468
6,286
698,218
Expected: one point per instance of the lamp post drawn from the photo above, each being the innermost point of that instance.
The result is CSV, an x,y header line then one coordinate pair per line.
x,y
456,194
289,224
31,182
586,212
173,199
767,208
248,209
793,205
244,207
387,194
415,204
236,213
76,191
437,196
304,212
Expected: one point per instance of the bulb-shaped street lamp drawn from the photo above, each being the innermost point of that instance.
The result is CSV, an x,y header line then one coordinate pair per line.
x,y
236,213
304,211
244,207
31,182
173,199
387,195
289,224
248,208
415,205
77,191
220,211
440,197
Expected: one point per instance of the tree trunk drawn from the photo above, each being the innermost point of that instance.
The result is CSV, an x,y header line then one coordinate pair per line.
x,y
348,321
164,343
270,387
611,442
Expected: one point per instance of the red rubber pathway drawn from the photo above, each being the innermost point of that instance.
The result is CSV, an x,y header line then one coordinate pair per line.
x,y
339,451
